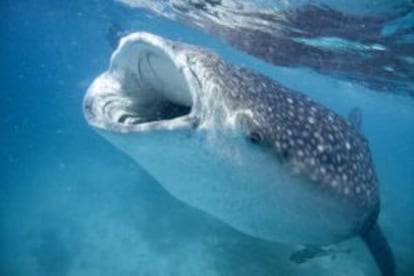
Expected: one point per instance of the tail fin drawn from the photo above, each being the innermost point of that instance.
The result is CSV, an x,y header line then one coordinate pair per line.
x,y
377,244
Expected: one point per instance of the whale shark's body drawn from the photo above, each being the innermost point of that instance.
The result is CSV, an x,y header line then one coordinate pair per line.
x,y
267,161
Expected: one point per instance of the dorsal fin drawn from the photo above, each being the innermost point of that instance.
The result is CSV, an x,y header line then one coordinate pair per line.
x,y
355,117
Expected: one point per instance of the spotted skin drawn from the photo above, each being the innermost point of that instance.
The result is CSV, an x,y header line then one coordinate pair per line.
x,y
307,137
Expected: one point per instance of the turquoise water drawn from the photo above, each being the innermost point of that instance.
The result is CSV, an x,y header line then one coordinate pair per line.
x,y
71,204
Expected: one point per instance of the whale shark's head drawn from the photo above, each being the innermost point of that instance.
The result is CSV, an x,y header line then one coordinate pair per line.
x,y
266,160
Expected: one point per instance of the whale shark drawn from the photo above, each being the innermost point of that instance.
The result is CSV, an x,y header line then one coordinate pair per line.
x,y
268,161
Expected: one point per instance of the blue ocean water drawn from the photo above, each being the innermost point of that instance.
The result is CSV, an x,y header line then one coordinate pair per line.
x,y
71,204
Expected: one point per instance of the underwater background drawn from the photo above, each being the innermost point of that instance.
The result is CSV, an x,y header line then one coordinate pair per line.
x,y
71,204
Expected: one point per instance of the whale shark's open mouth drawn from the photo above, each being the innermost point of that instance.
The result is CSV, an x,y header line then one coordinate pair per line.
x,y
143,88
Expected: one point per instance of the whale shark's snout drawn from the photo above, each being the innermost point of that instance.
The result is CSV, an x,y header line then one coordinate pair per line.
x,y
267,161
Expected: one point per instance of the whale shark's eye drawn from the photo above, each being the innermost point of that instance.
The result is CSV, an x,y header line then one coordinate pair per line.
x,y
250,128
255,137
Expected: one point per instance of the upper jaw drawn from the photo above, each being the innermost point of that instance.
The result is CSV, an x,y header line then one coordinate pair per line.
x,y
149,86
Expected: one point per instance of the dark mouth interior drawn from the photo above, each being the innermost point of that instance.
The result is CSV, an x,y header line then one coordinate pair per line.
x,y
162,110
154,91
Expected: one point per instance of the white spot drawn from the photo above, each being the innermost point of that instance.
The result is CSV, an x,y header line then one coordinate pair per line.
x,y
300,153
344,177
320,148
346,190
289,100
347,145
312,161
311,120
289,132
357,189
338,158
323,170
334,183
